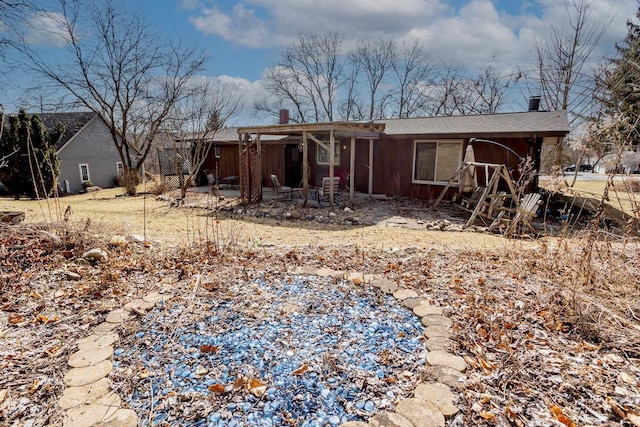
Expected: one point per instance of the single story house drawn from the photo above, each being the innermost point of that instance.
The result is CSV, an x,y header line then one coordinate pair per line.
x,y
86,151
413,157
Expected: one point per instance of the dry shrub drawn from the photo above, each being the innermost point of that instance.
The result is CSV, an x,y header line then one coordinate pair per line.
x,y
598,297
130,181
158,186
628,185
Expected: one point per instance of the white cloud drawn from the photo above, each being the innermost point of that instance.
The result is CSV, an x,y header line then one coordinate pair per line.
x,y
240,26
475,34
47,29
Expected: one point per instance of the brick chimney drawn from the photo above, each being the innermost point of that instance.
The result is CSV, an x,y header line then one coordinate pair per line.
x,y
284,116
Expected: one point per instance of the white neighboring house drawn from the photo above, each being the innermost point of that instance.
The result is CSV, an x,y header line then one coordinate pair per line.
x,y
629,162
86,151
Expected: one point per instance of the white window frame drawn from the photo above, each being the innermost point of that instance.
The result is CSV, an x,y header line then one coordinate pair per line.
x,y
216,151
336,153
437,142
119,169
80,165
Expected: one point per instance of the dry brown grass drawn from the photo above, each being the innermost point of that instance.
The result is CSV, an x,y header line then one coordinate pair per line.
x,y
187,225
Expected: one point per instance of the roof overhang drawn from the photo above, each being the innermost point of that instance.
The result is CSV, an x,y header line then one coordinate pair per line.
x,y
367,129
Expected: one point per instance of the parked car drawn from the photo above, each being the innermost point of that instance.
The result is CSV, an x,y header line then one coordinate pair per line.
x,y
583,168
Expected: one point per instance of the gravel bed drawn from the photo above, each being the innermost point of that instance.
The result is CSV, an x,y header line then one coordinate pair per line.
x,y
302,350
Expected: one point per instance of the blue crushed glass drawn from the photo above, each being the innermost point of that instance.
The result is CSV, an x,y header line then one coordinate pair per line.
x,y
346,336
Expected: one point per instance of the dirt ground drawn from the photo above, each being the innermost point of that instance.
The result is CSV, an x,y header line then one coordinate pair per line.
x,y
550,327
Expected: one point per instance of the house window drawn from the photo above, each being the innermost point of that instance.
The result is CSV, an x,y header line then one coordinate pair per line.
x,y
84,172
322,154
216,151
119,169
435,162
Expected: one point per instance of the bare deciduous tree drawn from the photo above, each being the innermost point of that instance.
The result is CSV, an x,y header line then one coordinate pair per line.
x,y
376,60
307,78
121,71
564,79
194,121
413,70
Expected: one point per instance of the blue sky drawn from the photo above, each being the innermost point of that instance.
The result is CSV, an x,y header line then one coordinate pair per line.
x,y
245,37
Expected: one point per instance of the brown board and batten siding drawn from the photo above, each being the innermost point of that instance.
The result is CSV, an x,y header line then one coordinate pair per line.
x,y
394,150
521,132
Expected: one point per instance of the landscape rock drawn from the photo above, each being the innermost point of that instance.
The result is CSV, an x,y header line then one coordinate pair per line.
x,y
97,341
443,358
402,294
380,282
426,309
436,320
153,297
354,424
438,394
438,343
104,328
389,288
437,331
90,357
95,254
420,412
122,418
448,376
389,419
139,304
135,238
74,396
93,413
118,316
411,303
83,376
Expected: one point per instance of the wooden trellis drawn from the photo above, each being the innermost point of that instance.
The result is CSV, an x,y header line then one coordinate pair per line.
x,y
491,198
250,173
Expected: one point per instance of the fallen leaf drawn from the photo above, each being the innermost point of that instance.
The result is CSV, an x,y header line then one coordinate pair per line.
x,y
15,319
3,395
301,370
239,383
390,380
217,388
512,416
487,366
489,417
34,386
256,387
556,411
35,295
209,348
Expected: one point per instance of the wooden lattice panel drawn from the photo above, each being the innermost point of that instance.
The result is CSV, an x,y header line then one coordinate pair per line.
x,y
244,174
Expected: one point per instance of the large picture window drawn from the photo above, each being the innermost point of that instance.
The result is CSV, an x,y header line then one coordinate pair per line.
x,y
323,154
435,162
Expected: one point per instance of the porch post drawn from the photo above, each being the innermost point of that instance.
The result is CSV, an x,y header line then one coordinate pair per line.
x,y
332,143
259,148
305,169
352,168
370,167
